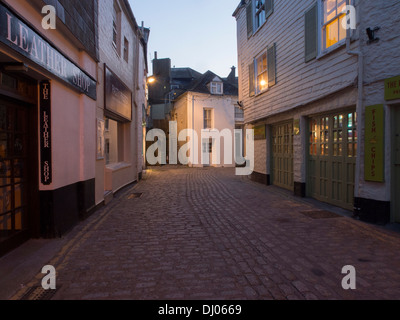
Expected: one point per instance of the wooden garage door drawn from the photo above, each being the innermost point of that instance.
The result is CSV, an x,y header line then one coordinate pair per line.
x,y
332,158
282,155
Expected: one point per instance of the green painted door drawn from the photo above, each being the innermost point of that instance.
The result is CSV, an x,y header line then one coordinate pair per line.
x,y
332,158
282,155
396,165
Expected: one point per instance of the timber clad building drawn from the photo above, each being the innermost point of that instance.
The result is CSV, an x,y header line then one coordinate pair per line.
x,y
53,168
324,100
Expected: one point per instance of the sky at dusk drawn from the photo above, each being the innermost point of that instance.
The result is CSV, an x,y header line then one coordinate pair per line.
x,y
200,34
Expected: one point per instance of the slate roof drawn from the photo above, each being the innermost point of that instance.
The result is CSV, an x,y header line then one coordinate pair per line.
x,y
200,85
184,74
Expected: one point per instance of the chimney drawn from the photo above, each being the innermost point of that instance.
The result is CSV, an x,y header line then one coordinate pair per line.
x,y
232,75
155,55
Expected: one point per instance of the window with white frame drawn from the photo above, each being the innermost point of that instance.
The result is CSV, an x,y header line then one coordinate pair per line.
x,y
257,12
259,15
261,73
116,27
332,26
126,50
216,87
207,119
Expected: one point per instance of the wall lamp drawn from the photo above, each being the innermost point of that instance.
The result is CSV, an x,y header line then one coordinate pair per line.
x,y
371,35
151,80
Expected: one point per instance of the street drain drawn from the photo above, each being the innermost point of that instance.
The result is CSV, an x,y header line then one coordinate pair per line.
x,y
320,214
135,196
38,293
317,272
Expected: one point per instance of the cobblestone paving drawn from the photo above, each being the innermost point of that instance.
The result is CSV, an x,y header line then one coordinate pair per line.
x,y
207,234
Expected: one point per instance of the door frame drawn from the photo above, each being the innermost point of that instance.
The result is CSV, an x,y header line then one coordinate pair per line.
x,y
309,192
394,203
32,197
272,157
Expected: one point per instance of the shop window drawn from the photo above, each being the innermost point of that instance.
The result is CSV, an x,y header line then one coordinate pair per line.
x,y
8,81
114,141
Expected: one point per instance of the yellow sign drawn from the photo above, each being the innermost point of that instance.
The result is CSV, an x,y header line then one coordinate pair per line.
x,y
374,143
392,88
260,133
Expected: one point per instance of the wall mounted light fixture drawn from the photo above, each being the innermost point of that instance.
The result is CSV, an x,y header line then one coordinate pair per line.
x,y
371,35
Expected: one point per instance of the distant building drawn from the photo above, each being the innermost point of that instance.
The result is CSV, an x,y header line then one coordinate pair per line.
x,y
210,95
324,100
207,103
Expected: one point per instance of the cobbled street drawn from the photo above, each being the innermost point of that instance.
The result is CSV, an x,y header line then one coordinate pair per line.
x,y
200,234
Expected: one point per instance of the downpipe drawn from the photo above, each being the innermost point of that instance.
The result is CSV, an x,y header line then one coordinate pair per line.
x,y
359,110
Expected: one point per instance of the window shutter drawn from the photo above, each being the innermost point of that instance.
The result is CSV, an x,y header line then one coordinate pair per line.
x,y
311,33
249,10
269,8
271,60
252,90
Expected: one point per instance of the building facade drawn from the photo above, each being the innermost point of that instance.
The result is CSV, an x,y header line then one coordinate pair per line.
x,y
122,88
47,111
314,91
61,98
208,107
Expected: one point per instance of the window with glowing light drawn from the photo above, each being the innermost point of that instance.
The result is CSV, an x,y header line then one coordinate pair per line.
x,y
261,73
332,28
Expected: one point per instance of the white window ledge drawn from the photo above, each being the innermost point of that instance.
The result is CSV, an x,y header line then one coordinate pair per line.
x,y
331,49
118,166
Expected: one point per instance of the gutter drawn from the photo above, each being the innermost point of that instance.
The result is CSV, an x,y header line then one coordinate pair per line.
x,y
360,106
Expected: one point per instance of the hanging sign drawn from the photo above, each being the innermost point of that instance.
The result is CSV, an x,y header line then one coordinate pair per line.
x,y
45,134
118,97
374,143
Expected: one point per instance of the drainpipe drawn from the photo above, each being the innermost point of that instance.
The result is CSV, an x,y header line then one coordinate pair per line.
x,y
193,101
359,107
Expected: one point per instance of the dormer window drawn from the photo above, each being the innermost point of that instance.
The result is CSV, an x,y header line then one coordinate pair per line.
x,y
216,87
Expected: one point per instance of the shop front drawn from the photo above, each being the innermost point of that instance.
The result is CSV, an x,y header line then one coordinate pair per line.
x,y
333,143
18,158
44,187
